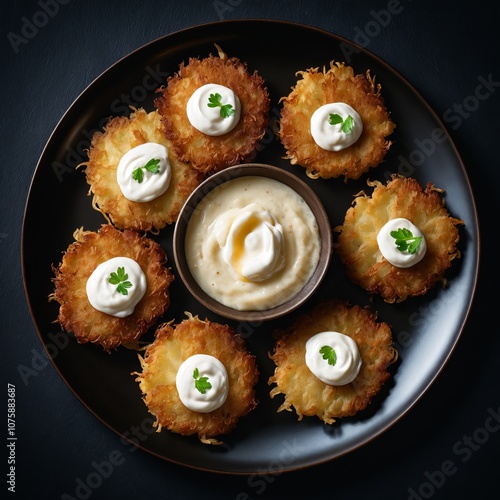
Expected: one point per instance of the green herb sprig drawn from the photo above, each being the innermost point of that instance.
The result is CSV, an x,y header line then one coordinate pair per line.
x,y
214,101
201,383
347,124
405,241
329,354
152,166
120,278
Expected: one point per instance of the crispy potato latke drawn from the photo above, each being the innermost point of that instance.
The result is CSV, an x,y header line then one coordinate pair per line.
x,y
206,153
120,135
338,84
307,394
173,344
357,244
77,315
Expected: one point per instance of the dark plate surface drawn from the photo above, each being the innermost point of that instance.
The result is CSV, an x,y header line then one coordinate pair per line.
x,y
425,329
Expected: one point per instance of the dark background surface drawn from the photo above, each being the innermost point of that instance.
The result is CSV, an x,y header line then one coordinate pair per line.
x,y
447,446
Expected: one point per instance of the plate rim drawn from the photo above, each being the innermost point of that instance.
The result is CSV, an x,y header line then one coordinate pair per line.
x,y
474,224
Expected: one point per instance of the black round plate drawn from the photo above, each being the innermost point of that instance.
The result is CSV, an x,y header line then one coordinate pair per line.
x,y
425,329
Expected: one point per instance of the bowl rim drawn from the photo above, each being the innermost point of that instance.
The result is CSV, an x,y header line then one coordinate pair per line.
x,y
258,170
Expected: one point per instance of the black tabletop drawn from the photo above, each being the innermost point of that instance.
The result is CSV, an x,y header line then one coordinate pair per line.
x,y
447,446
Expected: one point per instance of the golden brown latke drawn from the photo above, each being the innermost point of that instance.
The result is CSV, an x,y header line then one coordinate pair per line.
x,y
120,135
206,153
162,359
337,84
307,394
357,244
90,249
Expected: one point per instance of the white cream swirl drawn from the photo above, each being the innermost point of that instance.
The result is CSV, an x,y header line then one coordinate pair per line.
x,y
252,241
151,184
110,298
388,248
210,120
340,368
331,137
202,383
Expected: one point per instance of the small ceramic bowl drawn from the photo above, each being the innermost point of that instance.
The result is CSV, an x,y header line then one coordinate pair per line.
x,y
278,174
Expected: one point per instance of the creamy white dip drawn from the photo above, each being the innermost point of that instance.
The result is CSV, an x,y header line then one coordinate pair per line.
x,y
105,293
251,240
331,137
388,244
214,388
140,181
292,224
208,117
333,357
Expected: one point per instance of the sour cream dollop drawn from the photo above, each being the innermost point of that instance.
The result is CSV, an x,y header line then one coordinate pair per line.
x,y
251,241
388,248
331,137
347,358
152,184
106,297
193,369
209,120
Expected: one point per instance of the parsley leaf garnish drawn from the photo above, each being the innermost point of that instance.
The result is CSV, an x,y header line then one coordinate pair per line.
x,y
214,101
201,383
347,124
120,278
405,241
152,166
329,354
